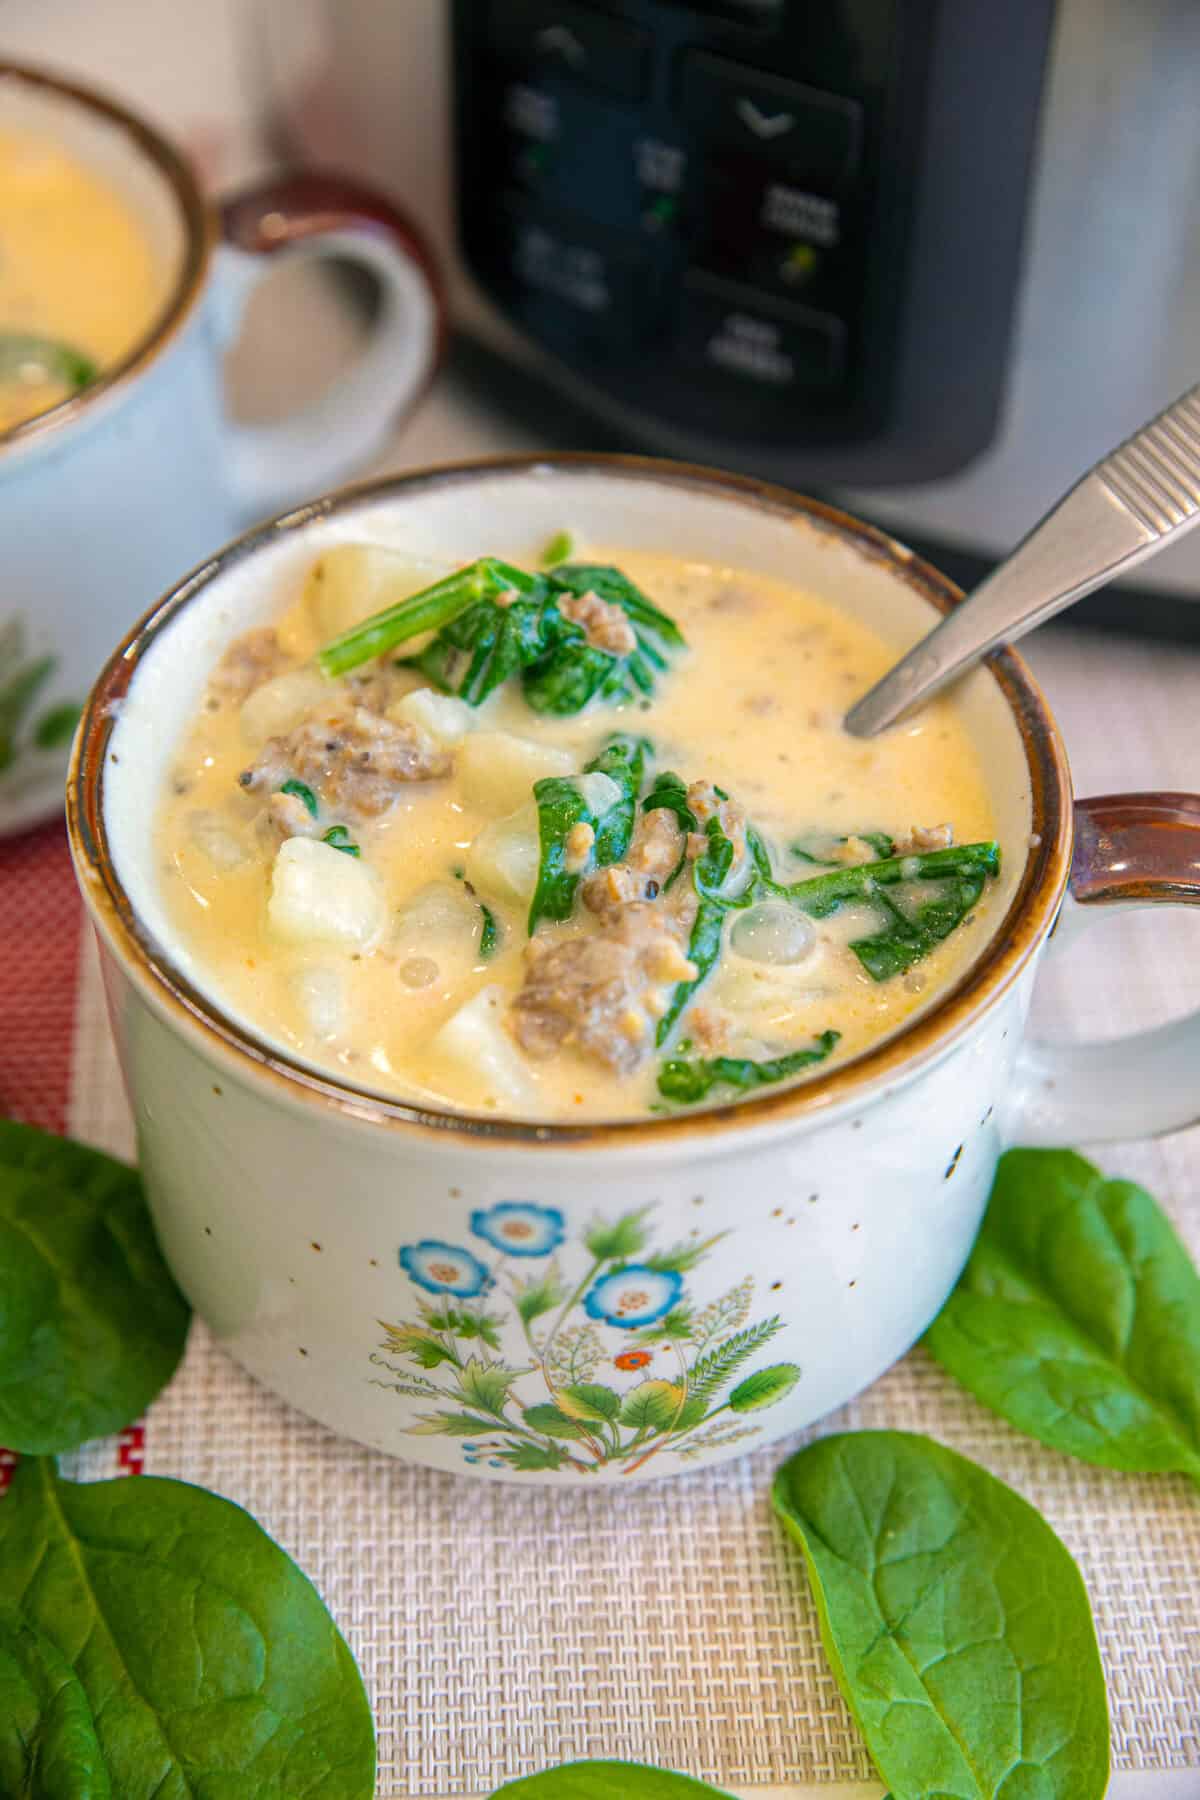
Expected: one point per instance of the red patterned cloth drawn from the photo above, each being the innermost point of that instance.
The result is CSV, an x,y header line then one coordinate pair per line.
x,y
40,920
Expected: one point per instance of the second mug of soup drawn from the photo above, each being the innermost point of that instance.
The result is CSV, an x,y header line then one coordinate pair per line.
x,y
558,1051
120,288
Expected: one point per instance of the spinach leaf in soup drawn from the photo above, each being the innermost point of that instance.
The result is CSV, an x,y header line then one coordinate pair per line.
x,y
920,900
494,622
575,835
824,850
607,1781
575,670
49,1749
955,1621
91,1324
1077,1318
210,1664
688,1080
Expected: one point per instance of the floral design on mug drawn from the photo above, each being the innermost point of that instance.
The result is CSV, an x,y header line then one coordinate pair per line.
x,y
22,678
619,1304
521,1230
444,1269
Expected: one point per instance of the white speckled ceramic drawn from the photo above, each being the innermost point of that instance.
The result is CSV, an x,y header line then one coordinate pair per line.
x,y
116,492
543,1303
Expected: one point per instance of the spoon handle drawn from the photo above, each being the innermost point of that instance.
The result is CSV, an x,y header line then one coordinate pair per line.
x,y
1141,497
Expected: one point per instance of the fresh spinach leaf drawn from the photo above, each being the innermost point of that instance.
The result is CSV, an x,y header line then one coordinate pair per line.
x,y
48,1744
209,1661
562,805
955,1621
1078,1317
688,1080
91,1323
606,1781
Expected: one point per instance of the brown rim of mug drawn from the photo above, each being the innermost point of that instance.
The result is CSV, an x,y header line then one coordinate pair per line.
x,y
1029,917
199,227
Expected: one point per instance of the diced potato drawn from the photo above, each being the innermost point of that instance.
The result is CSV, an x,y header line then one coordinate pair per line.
x,y
503,860
474,1046
442,922
349,582
599,792
321,895
321,993
498,770
441,909
440,716
273,709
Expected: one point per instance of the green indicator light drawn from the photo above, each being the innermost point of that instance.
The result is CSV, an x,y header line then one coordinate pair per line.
x,y
659,213
800,263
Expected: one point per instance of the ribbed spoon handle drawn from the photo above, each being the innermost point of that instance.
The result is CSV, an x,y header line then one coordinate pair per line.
x,y
1143,496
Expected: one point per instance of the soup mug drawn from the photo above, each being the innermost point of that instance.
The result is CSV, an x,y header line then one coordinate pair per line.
x,y
107,497
613,1301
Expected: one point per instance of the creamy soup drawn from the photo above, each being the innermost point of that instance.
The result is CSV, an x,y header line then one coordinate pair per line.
x,y
648,869
80,283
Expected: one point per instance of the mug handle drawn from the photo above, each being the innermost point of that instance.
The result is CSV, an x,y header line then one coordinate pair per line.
x,y
308,213
1130,850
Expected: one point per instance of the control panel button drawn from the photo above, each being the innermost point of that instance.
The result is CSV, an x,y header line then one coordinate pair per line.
x,y
816,136
604,53
753,224
734,331
586,288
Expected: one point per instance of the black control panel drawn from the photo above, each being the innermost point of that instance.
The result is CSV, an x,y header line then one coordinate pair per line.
x,y
707,213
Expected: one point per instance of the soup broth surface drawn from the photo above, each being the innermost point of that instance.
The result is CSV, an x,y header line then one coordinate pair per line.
x,y
78,273
420,1004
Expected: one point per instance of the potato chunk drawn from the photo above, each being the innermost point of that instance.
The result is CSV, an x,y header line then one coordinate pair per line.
x,y
321,895
474,1047
279,705
498,770
349,582
440,716
503,860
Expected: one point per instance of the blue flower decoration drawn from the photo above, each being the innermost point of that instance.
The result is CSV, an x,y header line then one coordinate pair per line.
x,y
634,1295
519,1228
444,1269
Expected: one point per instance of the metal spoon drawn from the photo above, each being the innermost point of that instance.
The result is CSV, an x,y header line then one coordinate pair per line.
x,y
1131,505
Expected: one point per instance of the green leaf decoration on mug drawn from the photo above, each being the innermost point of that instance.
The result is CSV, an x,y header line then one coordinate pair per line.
x,y
23,679
541,1356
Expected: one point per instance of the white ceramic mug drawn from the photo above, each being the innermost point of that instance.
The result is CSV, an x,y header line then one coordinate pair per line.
x,y
113,494
485,1296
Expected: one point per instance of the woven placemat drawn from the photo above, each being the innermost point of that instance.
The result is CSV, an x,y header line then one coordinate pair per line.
x,y
501,1629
